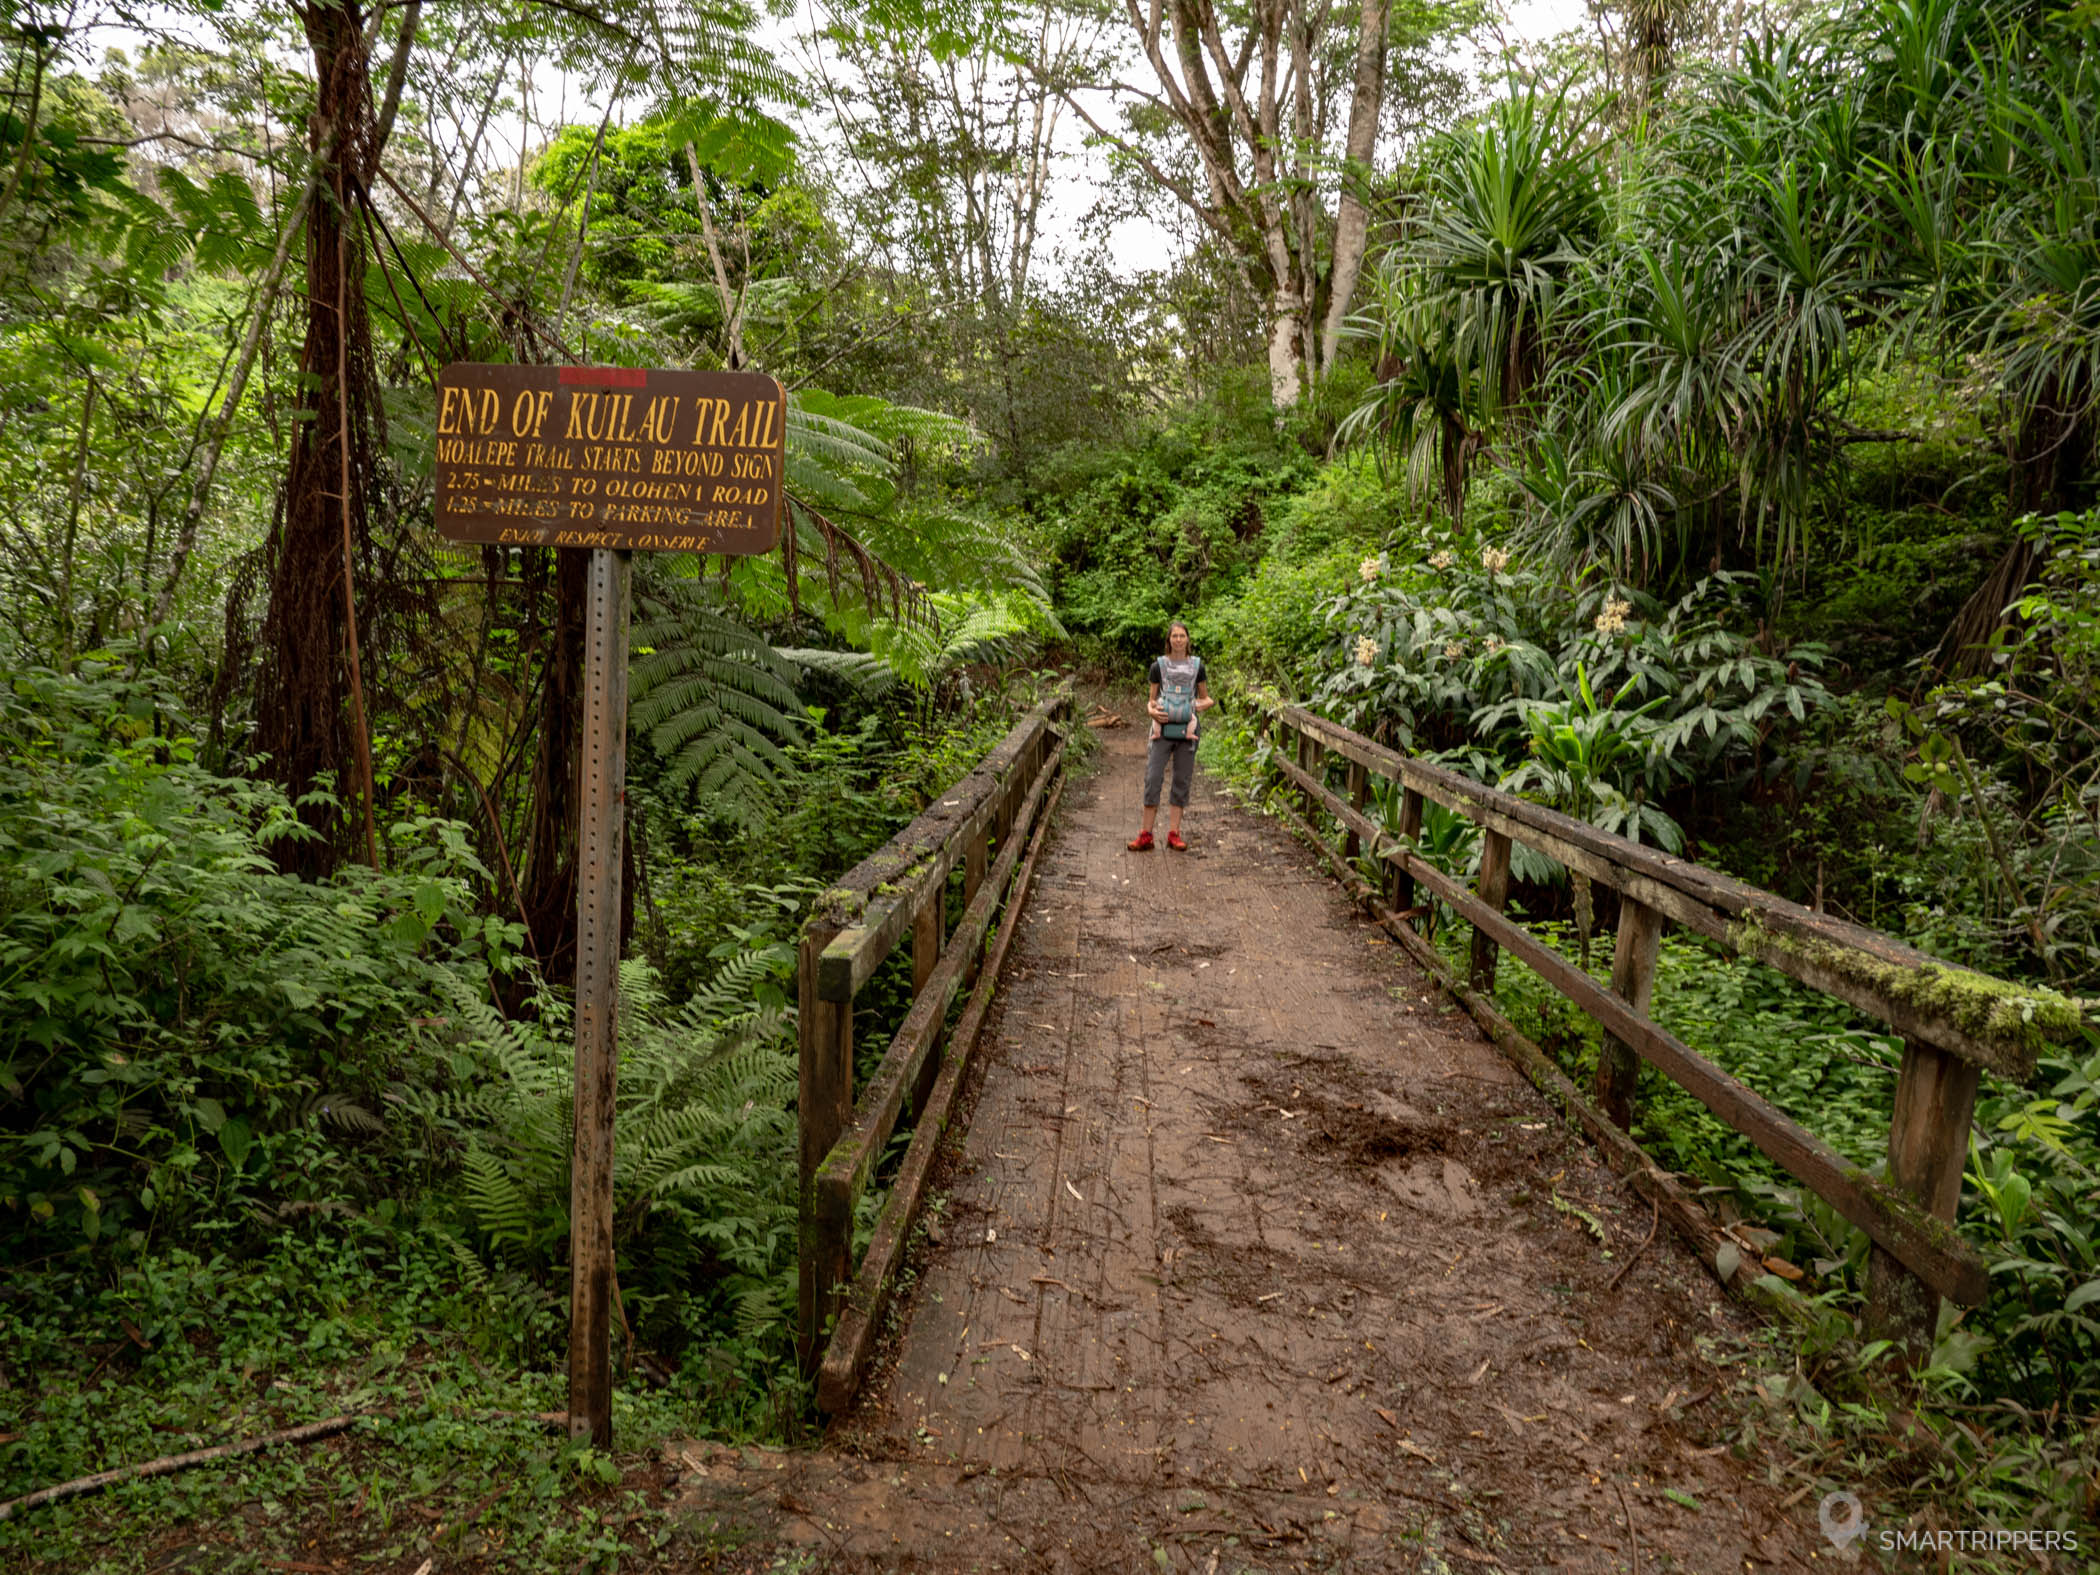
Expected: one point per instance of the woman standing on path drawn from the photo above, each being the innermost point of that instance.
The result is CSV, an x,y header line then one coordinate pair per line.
x,y
1180,695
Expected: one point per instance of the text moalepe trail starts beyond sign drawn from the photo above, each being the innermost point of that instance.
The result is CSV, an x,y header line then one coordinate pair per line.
x,y
627,458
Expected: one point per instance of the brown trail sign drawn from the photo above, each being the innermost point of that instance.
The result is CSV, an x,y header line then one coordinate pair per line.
x,y
620,458
611,460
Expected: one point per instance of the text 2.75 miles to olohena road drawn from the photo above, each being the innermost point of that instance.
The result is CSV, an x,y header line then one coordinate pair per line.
x,y
620,457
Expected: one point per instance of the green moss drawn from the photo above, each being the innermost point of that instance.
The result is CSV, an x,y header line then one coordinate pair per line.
x,y
838,907
2019,1018
1936,1230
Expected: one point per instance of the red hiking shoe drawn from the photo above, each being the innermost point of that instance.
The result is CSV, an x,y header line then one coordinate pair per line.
x,y
1174,841
1141,843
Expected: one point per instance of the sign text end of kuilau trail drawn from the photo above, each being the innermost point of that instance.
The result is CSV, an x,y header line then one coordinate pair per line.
x,y
613,461
622,458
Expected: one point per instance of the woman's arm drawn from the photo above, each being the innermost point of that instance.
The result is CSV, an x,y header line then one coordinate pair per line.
x,y
1203,699
1153,708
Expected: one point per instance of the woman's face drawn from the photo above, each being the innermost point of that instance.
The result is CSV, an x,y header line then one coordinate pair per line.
x,y
1177,641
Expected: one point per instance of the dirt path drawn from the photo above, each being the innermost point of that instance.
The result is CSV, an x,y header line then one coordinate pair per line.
x,y
1257,1257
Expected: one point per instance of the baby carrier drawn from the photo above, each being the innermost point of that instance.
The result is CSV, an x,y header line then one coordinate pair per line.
x,y
1177,695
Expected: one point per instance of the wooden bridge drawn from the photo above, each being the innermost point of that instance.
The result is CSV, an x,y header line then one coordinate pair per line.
x,y
1269,1243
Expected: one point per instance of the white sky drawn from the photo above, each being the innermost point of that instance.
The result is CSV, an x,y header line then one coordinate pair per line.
x,y
1143,244
1138,244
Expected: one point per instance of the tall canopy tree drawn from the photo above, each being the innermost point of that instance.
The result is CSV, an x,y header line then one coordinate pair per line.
x,y
1281,105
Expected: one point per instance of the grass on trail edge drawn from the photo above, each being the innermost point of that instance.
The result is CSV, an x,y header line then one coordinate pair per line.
x,y
450,1459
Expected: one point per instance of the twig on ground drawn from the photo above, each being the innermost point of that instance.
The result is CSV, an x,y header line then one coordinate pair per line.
x,y
304,1434
1627,1267
1632,1537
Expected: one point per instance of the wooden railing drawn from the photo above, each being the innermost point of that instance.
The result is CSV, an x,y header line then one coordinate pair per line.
x,y
1955,1023
986,819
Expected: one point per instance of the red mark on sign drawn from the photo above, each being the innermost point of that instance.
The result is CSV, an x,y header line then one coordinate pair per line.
x,y
606,376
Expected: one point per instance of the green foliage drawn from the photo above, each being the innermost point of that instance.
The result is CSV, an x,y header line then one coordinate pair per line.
x,y
715,701
703,1143
361,1312
1461,311
1259,627
1151,533
1557,687
1661,337
1261,633
2035,795
643,232
183,1025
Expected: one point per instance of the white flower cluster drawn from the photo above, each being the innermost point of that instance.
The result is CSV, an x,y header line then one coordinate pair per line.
x,y
1493,643
1366,650
1370,569
1494,559
1613,618
1441,560
1454,649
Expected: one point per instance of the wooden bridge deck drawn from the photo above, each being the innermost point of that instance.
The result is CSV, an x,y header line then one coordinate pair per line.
x,y
1257,1257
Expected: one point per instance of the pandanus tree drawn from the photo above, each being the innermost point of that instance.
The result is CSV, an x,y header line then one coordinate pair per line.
x,y
1984,130
1465,306
1659,334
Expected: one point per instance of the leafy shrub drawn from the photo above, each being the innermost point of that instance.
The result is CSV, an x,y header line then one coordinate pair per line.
x,y
2013,751
1262,631
179,1022
1151,533
1598,702
703,1144
2033,1202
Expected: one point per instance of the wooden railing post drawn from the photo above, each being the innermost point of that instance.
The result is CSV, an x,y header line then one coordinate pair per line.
x,y
1633,977
1359,796
926,943
824,1104
1928,1148
1410,829
1493,890
1023,772
974,858
926,938
973,868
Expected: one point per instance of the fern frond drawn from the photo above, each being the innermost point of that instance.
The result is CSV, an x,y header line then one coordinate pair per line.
x,y
869,675
714,700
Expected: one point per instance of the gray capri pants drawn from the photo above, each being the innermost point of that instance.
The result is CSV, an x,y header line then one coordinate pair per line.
x,y
1183,753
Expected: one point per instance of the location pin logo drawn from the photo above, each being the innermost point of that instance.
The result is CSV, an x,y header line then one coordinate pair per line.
x,y
1841,1517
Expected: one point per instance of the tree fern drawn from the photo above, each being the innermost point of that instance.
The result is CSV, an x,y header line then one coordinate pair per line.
x,y
715,700
703,1137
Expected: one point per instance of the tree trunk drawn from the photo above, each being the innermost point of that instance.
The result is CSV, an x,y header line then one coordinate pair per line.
x,y
1352,224
549,898
1286,342
2049,474
323,537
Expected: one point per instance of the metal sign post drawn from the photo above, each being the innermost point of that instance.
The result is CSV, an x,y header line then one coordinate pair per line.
x,y
608,460
601,817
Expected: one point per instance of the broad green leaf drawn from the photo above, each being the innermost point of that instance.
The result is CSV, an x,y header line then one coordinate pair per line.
x,y
235,1141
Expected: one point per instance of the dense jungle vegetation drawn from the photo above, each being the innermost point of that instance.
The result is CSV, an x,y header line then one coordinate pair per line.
x,y
1691,421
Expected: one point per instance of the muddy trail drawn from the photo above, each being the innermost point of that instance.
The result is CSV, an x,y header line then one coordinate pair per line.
x,y
1256,1255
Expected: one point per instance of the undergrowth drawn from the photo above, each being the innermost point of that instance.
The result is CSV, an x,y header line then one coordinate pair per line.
x,y
275,1150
